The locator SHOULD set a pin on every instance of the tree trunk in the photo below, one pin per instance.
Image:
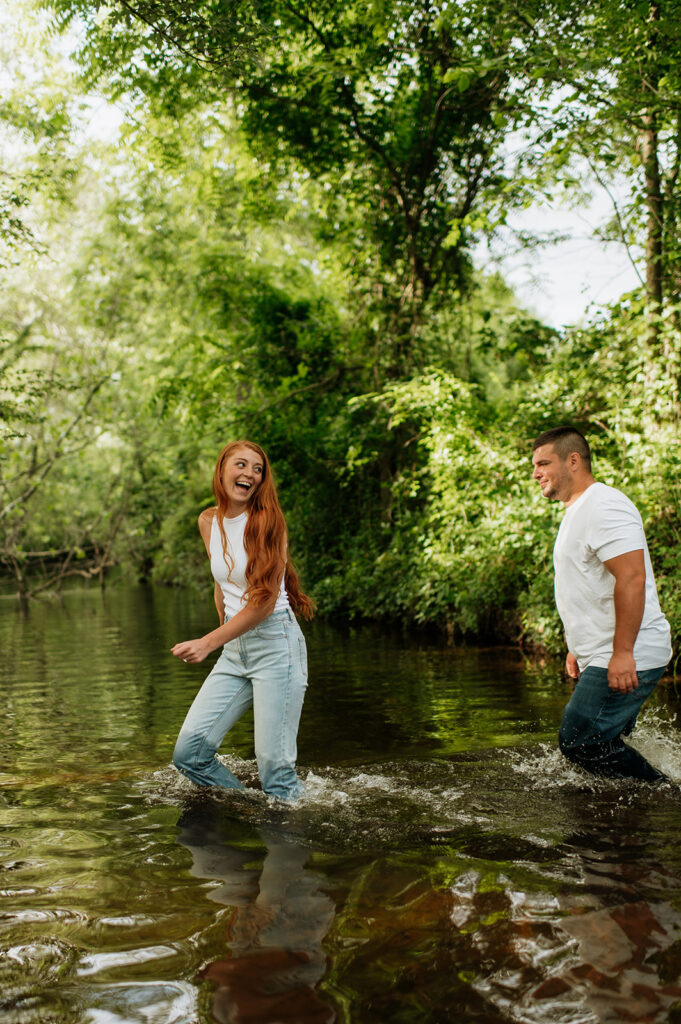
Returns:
(653, 193)
(648, 143)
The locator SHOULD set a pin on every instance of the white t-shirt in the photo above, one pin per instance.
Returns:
(601, 524)
(233, 584)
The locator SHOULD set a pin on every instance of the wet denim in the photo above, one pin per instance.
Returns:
(595, 720)
(265, 668)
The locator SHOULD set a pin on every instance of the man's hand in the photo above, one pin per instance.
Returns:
(192, 651)
(571, 666)
(622, 672)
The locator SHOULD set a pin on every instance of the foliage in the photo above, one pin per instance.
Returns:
(454, 544)
(36, 116)
(600, 379)
(277, 243)
(397, 112)
(612, 98)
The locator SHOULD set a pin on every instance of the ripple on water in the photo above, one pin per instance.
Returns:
(568, 961)
(48, 959)
(100, 963)
(28, 972)
(33, 915)
(139, 1003)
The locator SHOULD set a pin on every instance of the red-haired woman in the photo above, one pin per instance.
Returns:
(263, 663)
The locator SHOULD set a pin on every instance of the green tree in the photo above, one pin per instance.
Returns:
(36, 111)
(50, 375)
(397, 110)
(612, 96)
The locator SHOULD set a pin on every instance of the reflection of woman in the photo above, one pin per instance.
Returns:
(276, 930)
(263, 663)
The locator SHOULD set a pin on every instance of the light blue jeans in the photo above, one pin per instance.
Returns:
(265, 668)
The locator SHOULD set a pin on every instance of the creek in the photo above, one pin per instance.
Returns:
(445, 864)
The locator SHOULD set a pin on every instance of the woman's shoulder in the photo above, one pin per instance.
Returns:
(206, 521)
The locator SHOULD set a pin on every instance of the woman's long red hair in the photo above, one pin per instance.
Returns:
(265, 537)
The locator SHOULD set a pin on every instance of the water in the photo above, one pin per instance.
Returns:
(446, 865)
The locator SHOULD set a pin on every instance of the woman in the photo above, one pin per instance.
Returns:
(263, 663)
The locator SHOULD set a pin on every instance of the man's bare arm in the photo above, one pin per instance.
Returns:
(629, 596)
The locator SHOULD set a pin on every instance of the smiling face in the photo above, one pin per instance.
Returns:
(242, 474)
(555, 476)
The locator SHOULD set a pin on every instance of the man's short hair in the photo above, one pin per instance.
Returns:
(565, 440)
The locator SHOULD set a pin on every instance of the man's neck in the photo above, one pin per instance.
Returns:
(580, 487)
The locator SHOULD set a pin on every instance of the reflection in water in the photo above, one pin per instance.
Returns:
(623, 927)
(508, 928)
(603, 954)
(275, 931)
(547, 905)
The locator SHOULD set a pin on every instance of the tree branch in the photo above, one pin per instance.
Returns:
(618, 218)
(28, 493)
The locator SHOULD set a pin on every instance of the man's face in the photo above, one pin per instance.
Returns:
(552, 474)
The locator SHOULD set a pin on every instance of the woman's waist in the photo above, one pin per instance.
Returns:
(281, 626)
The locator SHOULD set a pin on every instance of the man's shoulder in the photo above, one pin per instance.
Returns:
(601, 508)
(612, 510)
(606, 496)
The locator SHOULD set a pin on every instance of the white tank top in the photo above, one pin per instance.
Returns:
(233, 584)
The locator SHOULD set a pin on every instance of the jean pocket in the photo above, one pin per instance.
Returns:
(270, 631)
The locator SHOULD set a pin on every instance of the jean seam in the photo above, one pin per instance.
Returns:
(287, 698)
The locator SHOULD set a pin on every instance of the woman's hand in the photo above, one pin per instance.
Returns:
(192, 651)
(195, 651)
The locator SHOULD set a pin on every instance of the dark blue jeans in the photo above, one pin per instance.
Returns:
(595, 720)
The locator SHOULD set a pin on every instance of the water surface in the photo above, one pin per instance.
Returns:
(445, 864)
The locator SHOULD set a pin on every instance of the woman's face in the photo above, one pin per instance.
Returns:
(242, 474)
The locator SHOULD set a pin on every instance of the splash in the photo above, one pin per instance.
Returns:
(657, 738)
(512, 793)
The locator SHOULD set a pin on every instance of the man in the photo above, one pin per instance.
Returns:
(618, 639)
